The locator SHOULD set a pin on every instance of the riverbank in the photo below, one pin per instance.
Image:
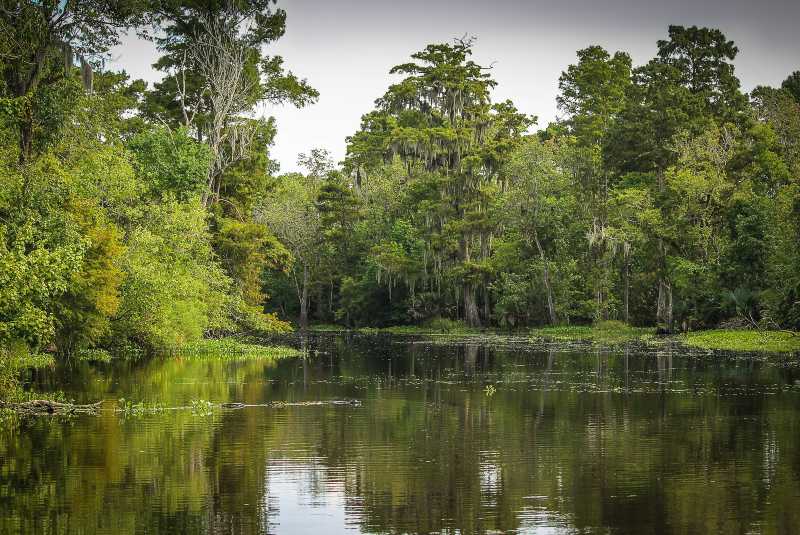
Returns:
(607, 333)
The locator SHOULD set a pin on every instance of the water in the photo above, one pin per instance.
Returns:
(573, 440)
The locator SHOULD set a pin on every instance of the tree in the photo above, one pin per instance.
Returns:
(439, 120)
(170, 163)
(792, 85)
(43, 41)
(704, 58)
(290, 212)
(174, 291)
(688, 88)
(593, 91)
(538, 200)
(217, 75)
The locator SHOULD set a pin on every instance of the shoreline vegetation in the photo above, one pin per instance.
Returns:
(603, 333)
(141, 219)
(14, 399)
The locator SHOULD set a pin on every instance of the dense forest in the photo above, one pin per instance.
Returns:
(151, 216)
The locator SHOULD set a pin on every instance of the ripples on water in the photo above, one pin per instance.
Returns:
(574, 440)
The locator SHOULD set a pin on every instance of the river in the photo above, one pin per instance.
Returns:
(494, 435)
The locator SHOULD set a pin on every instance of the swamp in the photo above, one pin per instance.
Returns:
(303, 267)
(381, 433)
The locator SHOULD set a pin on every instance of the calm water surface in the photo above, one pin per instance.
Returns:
(574, 440)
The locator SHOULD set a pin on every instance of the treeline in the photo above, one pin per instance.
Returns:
(663, 196)
(153, 216)
(127, 212)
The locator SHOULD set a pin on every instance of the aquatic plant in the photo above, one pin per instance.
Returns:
(744, 340)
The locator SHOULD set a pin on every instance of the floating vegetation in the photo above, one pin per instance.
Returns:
(202, 407)
(604, 332)
(490, 390)
(138, 408)
(744, 340)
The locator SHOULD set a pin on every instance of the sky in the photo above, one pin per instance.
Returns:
(345, 48)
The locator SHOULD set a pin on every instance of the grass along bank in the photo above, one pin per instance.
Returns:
(743, 340)
(605, 332)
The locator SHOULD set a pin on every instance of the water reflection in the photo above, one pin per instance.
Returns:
(575, 440)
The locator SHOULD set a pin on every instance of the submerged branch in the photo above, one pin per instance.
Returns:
(45, 406)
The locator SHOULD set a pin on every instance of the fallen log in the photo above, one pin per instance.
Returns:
(46, 406)
(279, 404)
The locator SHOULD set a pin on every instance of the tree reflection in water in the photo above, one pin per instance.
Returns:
(631, 440)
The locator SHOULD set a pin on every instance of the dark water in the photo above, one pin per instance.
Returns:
(573, 440)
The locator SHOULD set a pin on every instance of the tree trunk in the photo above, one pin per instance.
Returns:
(487, 309)
(25, 140)
(664, 307)
(471, 315)
(304, 300)
(320, 305)
(627, 289)
(551, 307)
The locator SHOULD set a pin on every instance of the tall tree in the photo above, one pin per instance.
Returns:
(42, 42)
(217, 75)
(290, 211)
(792, 85)
(704, 58)
(592, 92)
(689, 87)
(440, 121)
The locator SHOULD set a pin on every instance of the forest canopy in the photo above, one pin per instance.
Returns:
(152, 216)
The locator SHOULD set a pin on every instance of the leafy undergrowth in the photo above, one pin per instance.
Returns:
(232, 349)
(743, 340)
(605, 332)
(93, 355)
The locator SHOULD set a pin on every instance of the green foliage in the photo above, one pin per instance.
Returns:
(740, 340)
(593, 92)
(93, 355)
(174, 290)
(92, 296)
(246, 250)
(792, 85)
(604, 332)
(42, 251)
(138, 408)
(15, 358)
(152, 218)
(44, 41)
(170, 163)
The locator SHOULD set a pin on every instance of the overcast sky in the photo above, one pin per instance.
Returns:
(345, 49)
